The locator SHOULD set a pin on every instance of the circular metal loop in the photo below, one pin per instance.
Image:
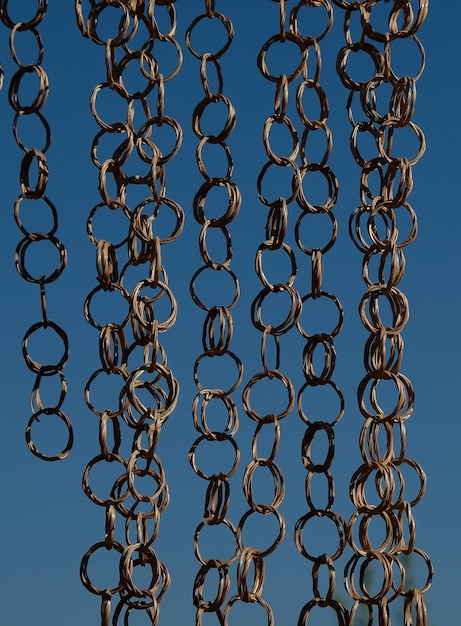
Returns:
(233, 206)
(87, 305)
(215, 437)
(200, 110)
(127, 24)
(278, 484)
(217, 267)
(373, 53)
(36, 366)
(341, 612)
(233, 386)
(266, 509)
(18, 116)
(23, 25)
(308, 442)
(29, 438)
(272, 417)
(265, 460)
(201, 165)
(31, 235)
(312, 4)
(304, 416)
(252, 598)
(249, 557)
(36, 402)
(43, 89)
(280, 160)
(204, 253)
(339, 307)
(199, 584)
(218, 319)
(292, 317)
(225, 21)
(20, 258)
(340, 528)
(197, 552)
(109, 458)
(295, 184)
(201, 405)
(268, 245)
(115, 545)
(282, 38)
(166, 400)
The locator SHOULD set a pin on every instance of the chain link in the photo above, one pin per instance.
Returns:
(384, 312)
(129, 346)
(33, 178)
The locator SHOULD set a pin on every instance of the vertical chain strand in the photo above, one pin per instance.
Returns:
(218, 324)
(318, 346)
(384, 312)
(33, 178)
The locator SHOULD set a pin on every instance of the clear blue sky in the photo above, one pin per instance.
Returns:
(47, 522)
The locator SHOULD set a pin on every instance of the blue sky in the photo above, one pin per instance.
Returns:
(48, 523)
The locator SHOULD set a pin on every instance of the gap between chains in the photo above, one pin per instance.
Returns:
(130, 350)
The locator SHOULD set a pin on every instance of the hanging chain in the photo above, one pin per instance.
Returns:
(251, 566)
(379, 229)
(139, 303)
(319, 346)
(34, 179)
(218, 324)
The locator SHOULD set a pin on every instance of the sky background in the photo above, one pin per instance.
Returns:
(47, 522)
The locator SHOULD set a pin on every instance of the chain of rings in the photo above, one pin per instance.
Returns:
(132, 357)
(379, 230)
(33, 178)
(319, 347)
(218, 324)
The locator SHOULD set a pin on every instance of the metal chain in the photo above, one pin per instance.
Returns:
(33, 178)
(318, 346)
(251, 567)
(132, 185)
(218, 324)
(377, 231)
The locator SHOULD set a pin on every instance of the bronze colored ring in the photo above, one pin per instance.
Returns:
(223, 392)
(340, 527)
(109, 458)
(199, 584)
(202, 400)
(280, 160)
(84, 566)
(278, 482)
(219, 53)
(197, 552)
(306, 446)
(282, 38)
(18, 116)
(214, 437)
(267, 419)
(40, 98)
(70, 437)
(304, 416)
(35, 366)
(216, 267)
(31, 235)
(253, 598)
(311, 3)
(265, 510)
(33, 21)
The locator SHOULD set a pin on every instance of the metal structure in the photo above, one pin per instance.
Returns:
(132, 183)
